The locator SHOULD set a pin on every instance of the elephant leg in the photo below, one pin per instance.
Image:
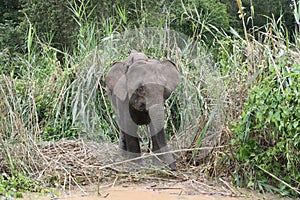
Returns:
(129, 140)
(159, 145)
(122, 141)
(133, 149)
(129, 145)
(132, 144)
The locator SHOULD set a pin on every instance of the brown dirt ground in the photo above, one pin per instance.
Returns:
(151, 191)
(81, 160)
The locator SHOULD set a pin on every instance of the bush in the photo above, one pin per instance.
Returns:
(268, 133)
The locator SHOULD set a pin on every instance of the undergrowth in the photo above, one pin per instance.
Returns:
(267, 135)
(13, 186)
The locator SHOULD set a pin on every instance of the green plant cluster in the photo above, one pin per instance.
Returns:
(58, 24)
(268, 135)
(13, 186)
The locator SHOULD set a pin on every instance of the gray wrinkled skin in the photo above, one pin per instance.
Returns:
(137, 89)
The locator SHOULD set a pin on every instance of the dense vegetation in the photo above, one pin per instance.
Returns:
(44, 45)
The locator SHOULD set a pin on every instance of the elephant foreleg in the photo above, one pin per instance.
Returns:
(128, 141)
(132, 144)
(122, 141)
(132, 148)
(129, 145)
(159, 145)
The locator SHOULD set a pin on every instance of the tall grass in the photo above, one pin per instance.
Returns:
(54, 99)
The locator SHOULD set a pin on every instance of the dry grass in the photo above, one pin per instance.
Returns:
(74, 163)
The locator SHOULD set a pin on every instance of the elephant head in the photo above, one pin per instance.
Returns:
(138, 88)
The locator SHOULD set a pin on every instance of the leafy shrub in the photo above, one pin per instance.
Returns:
(268, 134)
(15, 185)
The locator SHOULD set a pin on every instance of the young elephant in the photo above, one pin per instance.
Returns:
(137, 89)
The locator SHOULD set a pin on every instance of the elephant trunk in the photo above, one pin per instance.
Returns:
(159, 142)
(156, 113)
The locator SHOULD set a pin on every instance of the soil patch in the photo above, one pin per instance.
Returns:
(188, 190)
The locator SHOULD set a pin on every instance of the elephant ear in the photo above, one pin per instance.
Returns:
(115, 80)
(172, 76)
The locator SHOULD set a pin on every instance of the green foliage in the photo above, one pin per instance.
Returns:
(268, 134)
(53, 21)
(10, 19)
(200, 19)
(11, 37)
(9, 10)
(270, 9)
(56, 22)
(144, 13)
(13, 186)
(11, 33)
(34, 94)
(232, 10)
(258, 13)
